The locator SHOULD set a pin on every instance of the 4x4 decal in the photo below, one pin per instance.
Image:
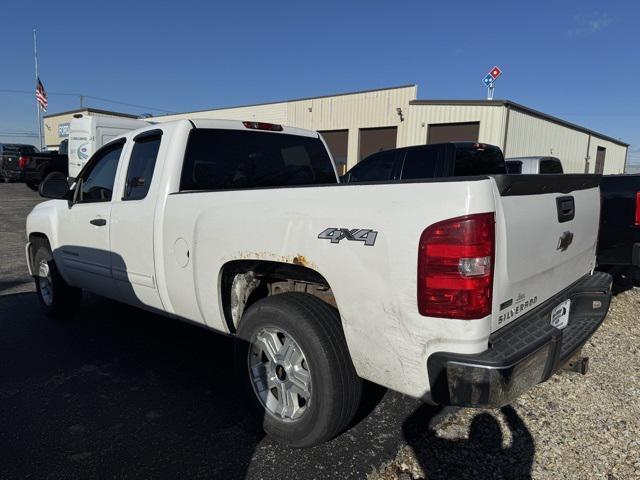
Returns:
(365, 235)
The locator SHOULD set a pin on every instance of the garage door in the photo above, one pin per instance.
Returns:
(338, 143)
(453, 132)
(374, 140)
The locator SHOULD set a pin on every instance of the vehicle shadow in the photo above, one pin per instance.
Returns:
(117, 391)
(481, 455)
(120, 392)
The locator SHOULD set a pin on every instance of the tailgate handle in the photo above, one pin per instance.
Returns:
(566, 208)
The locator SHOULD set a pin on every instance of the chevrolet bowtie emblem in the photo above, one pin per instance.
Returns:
(564, 241)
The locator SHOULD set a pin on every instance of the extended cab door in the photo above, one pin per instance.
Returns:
(132, 223)
(83, 236)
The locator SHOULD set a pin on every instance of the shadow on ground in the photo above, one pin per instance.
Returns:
(480, 456)
(119, 392)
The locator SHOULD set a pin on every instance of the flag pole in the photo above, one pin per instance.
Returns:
(35, 56)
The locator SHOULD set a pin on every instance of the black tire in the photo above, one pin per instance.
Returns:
(63, 299)
(33, 186)
(335, 387)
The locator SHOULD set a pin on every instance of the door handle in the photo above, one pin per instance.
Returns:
(98, 222)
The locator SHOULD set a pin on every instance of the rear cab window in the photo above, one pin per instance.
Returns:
(514, 166)
(479, 159)
(551, 165)
(218, 159)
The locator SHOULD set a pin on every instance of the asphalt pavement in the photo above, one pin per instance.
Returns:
(116, 392)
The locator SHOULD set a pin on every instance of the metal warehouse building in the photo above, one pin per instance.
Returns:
(359, 123)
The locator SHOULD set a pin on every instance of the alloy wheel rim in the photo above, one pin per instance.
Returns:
(279, 374)
(44, 282)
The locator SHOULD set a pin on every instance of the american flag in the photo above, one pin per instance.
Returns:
(41, 95)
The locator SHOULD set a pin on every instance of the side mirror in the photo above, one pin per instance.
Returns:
(55, 185)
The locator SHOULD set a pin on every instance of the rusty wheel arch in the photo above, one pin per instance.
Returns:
(243, 282)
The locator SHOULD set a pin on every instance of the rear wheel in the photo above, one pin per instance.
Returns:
(33, 186)
(56, 297)
(293, 361)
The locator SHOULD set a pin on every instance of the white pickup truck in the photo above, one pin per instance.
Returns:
(461, 291)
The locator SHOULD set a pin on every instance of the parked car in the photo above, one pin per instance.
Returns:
(87, 133)
(619, 241)
(13, 158)
(463, 292)
(533, 165)
(39, 165)
(429, 161)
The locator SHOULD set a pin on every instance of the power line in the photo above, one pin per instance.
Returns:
(18, 134)
(82, 95)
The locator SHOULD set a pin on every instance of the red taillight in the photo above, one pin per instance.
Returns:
(637, 216)
(22, 162)
(455, 267)
(263, 126)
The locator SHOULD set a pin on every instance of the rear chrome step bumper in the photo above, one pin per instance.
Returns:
(524, 353)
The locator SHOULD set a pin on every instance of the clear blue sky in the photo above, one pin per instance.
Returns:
(579, 60)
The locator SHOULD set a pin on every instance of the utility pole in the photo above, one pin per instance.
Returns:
(35, 56)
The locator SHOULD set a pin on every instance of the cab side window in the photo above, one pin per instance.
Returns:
(377, 167)
(141, 166)
(96, 182)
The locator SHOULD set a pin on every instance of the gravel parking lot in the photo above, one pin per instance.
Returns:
(120, 393)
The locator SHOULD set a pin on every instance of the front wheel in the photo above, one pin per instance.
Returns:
(292, 358)
(56, 297)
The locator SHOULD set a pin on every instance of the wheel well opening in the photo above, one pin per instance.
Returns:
(244, 282)
(35, 237)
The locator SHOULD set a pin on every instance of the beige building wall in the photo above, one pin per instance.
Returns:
(51, 137)
(340, 112)
(532, 136)
(491, 120)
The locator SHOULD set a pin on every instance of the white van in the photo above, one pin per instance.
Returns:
(88, 133)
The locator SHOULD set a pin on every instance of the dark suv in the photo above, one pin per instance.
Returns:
(453, 159)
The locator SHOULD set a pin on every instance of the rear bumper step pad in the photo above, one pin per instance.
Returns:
(522, 354)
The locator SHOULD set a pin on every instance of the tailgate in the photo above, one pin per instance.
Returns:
(10, 162)
(546, 237)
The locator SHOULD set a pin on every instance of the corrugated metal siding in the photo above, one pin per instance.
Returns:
(614, 159)
(341, 112)
(491, 120)
(528, 135)
(533, 136)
